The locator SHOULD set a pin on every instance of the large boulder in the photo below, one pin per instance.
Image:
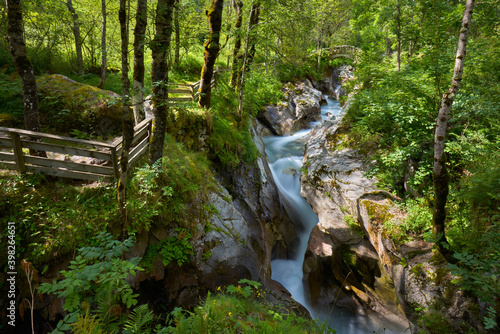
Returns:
(302, 106)
(68, 105)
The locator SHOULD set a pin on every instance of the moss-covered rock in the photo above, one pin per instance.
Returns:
(67, 105)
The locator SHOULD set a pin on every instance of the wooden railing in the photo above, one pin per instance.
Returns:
(18, 143)
(190, 91)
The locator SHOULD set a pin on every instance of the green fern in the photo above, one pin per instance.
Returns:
(87, 325)
(140, 317)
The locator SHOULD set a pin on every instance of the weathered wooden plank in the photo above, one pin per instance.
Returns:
(8, 165)
(6, 156)
(139, 147)
(177, 99)
(66, 150)
(48, 136)
(71, 165)
(6, 142)
(138, 151)
(69, 174)
(139, 131)
(114, 161)
(178, 91)
(18, 152)
(179, 84)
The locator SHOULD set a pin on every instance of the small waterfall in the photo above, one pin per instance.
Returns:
(285, 159)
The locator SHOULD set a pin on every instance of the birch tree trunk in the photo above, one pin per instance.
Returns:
(24, 67)
(214, 15)
(235, 68)
(441, 177)
(78, 39)
(139, 40)
(104, 65)
(159, 76)
(128, 119)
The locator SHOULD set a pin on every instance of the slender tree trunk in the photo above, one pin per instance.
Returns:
(254, 21)
(399, 35)
(78, 39)
(23, 66)
(441, 177)
(214, 15)
(104, 65)
(243, 70)
(177, 37)
(159, 76)
(235, 68)
(128, 119)
(139, 40)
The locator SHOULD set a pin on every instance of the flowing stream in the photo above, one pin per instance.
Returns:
(285, 159)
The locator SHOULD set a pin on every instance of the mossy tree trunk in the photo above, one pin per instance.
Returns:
(24, 67)
(214, 15)
(177, 37)
(441, 177)
(128, 119)
(77, 35)
(236, 66)
(104, 55)
(141, 22)
(159, 76)
(254, 21)
(241, 79)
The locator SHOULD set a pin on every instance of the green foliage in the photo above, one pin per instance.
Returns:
(177, 248)
(160, 193)
(53, 218)
(242, 310)
(138, 320)
(261, 90)
(353, 224)
(11, 97)
(97, 277)
(416, 223)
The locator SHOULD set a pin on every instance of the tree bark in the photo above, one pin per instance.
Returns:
(177, 37)
(214, 15)
(441, 177)
(159, 76)
(235, 68)
(399, 35)
(24, 67)
(128, 119)
(139, 40)
(254, 21)
(78, 39)
(104, 65)
(243, 70)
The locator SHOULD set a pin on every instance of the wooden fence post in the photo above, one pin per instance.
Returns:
(18, 152)
(114, 160)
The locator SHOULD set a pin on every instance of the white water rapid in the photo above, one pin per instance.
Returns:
(285, 159)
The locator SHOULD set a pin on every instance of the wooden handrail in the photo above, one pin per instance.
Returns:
(24, 162)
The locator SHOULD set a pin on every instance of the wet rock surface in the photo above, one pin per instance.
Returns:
(301, 106)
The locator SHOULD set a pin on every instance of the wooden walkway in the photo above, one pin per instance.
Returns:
(103, 164)
(77, 158)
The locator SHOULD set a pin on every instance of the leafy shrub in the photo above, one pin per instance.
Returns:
(96, 278)
(242, 309)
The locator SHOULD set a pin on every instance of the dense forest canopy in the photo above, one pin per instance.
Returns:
(403, 53)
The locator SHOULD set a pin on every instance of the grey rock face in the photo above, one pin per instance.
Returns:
(302, 106)
(351, 261)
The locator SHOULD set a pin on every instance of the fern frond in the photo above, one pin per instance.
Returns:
(140, 317)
